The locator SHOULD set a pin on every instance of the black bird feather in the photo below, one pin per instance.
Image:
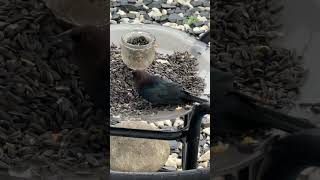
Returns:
(161, 92)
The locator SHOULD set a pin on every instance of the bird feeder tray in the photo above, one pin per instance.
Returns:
(168, 41)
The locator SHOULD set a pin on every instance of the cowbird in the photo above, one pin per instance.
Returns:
(236, 113)
(90, 53)
(161, 92)
(292, 154)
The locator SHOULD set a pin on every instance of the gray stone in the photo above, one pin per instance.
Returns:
(205, 122)
(123, 16)
(147, 22)
(167, 6)
(173, 144)
(142, 12)
(173, 18)
(205, 14)
(178, 10)
(155, 5)
(206, 4)
(115, 4)
(180, 22)
(157, 18)
(196, 3)
(123, 2)
(131, 15)
(198, 24)
(147, 17)
(147, 2)
(164, 18)
(135, 154)
(170, 11)
(116, 17)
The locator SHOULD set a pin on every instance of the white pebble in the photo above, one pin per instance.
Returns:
(145, 7)
(164, 12)
(139, 1)
(206, 131)
(160, 124)
(202, 18)
(208, 139)
(169, 1)
(167, 122)
(185, 3)
(205, 157)
(186, 26)
(136, 21)
(178, 122)
(181, 14)
(135, 13)
(121, 13)
(155, 12)
(197, 30)
(141, 18)
(153, 125)
(171, 162)
(174, 155)
(204, 164)
(180, 27)
(178, 162)
(124, 20)
(205, 27)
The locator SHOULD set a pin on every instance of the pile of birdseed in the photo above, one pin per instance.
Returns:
(242, 44)
(141, 40)
(179, 67)
(45, 113)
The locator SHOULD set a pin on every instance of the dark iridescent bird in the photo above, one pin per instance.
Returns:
(161, 92)
(236, 113)
(90, 53)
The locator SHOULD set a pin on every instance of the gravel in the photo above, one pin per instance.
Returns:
(192, 17)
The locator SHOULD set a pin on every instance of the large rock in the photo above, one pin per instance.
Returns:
(80, 12)
(137, 155)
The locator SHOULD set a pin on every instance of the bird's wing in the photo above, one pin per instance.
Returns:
(161, 90)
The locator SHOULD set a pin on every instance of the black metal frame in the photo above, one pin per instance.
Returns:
(189, 135)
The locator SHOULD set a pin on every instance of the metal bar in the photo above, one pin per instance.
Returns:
(193, 136)
(148, 134)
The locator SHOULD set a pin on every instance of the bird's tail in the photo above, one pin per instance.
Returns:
(188, 97)
(282, 121)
